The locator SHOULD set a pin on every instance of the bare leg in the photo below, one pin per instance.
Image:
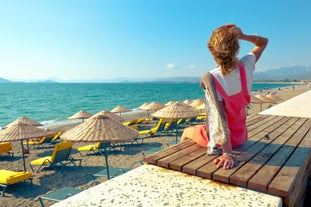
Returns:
(187, 134)
(195, 133)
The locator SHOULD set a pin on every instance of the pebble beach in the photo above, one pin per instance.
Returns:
(48, 180)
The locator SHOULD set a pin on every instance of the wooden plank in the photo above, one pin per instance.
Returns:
(265, 175)
(191, 167)
(282, 182)
(255, 119)
(260, 127)
(294, 174)
(152, 159)
(179, 163)
(264, 124)
(259, 119)
(165, 162)
(244, 156)
(279, 137)
(224, 175)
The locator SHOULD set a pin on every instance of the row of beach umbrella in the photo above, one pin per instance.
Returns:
(97, 128)
(103, 127)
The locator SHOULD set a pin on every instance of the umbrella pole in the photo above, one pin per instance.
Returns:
(176, 132)
(106, 159)
(23, 156)
(28, 146)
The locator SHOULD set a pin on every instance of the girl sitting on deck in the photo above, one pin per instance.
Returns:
(232, 83)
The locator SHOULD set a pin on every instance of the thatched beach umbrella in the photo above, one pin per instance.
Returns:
(256, 100)
(111, 115)
(263, 98)
(187, 101)
(196, 102)
(274, 97)
(143, 105)
(120, 109)
(24, 120)
(169, 103)
(201, 107)
(103, 129)
(81, 115)
(21, 131)
(153, 106)
(176, 111)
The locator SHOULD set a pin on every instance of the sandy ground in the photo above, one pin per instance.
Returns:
(47, 180)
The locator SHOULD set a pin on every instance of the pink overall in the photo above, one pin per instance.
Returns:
(235, 107)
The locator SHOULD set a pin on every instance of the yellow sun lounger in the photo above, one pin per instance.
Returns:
(8, 177)
(159, 127)
(44, 141)
(90, 148)
(61, 156)
(6, 147)
(99, 148)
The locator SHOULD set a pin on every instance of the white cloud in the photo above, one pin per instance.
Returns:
(172, 66)
(193, 66)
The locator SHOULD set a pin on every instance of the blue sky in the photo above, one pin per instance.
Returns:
(94, 40)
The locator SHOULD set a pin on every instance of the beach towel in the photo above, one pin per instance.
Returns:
(219, 132)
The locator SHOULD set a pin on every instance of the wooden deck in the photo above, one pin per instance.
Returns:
(275, 159)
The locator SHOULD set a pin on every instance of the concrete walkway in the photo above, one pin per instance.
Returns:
(299, 106)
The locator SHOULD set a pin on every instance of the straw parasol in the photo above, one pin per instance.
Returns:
(256, 100)
(25, 120)
(196, 103)
(120, 109)
(103, 129)
(274, 97)
(111, 115)
(169, 103)
(21, 131)
(177, 110)
(81, 115)
(187, 101)
(153, 106)
(263, 98)
(201, 107)
(143, 105)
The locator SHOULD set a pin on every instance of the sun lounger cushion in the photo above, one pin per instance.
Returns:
(9, 177)
(5, 147)
(91, 147)
(44, 160)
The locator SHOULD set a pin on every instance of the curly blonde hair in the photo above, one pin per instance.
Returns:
(224, 46)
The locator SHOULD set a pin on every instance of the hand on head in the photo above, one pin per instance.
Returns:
(235, 28)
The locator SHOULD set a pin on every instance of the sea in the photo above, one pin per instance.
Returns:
(52, 103)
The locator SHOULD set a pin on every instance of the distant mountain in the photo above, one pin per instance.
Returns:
(285, 73)
(2, 80)
(179, 79)
(280, 74)
(46, 81)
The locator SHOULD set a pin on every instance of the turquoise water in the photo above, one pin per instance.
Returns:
(54, 102)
